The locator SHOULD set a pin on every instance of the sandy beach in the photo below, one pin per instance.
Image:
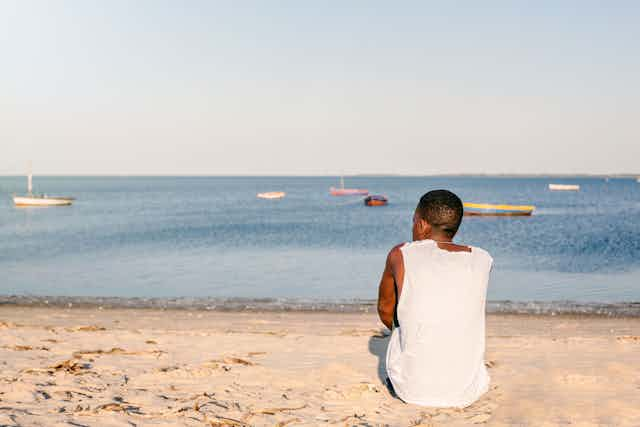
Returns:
(126, 367)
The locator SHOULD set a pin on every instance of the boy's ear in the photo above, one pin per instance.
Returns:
(423, 226)
(426, 227)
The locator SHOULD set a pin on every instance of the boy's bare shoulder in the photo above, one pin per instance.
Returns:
(395, 254)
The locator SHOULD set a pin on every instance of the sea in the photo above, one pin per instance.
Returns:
(210, 242)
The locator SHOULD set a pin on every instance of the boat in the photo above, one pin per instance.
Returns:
(485, 209)
(41, 200)
(32, 199)
(272, 195)
(347, 191)
(564, 187)
(375, 200)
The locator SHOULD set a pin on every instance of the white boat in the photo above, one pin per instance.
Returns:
(272, 195)
(564, 187)
(41, 200)
(31, 199)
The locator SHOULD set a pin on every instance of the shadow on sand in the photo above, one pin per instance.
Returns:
(378, 347)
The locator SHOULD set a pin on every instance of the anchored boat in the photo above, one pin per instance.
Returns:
(347, 191)
(272, 195)
(31, 199)
(564, 187)
(485, 209)
(375, 200)
(41, 200)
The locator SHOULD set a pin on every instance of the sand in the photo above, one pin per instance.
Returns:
(126, 367)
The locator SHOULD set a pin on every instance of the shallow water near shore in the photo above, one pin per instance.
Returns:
(210, 237)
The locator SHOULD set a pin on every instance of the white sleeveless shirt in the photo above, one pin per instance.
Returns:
(436, 355)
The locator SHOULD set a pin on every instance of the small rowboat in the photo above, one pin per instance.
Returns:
(484, 209)
(564, 187)
(375, 200)
(272, 195)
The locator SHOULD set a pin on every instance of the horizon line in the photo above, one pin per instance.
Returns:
(284, 175)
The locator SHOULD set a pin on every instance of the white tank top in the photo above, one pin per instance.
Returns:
(436, 354)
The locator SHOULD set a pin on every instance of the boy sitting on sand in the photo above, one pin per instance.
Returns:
(432, 295)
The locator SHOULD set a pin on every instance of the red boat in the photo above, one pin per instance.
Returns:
(375, 200)
(347, 191)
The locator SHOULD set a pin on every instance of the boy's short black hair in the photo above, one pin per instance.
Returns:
(442, 209)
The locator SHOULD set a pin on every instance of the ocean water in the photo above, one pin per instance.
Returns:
(210, 237)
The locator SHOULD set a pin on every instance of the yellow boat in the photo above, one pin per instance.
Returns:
(485, 209)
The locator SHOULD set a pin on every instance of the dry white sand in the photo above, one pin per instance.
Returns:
(91, 367)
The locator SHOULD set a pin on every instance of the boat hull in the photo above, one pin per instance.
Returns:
(272, 195)
(375, 201)
(484, 209)
(348, 192)
(564, 187)
(24, 201)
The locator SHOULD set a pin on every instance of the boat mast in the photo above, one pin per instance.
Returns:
(29, 180)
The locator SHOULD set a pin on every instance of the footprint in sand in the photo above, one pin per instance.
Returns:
(628, 339)
(115, 351)
(209, 368)
(479, 412)
(375, 333)
(7, 325)
(20, 393)
(579, 379)
(490, 363)
(86, 328)
(24, 348)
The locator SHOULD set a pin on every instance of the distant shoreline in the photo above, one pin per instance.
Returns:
(356, 175)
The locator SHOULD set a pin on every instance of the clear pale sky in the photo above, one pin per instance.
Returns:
(322, 87)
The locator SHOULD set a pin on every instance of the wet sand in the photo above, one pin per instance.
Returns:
(124, 367)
